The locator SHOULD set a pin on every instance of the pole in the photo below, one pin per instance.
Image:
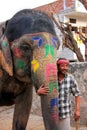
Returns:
(77, 125)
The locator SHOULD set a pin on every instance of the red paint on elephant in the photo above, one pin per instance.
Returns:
(17, 52)
(51, 72)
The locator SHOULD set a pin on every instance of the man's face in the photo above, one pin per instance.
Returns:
(63, 68)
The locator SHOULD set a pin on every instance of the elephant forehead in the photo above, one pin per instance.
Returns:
(38, 39)
(44, 59)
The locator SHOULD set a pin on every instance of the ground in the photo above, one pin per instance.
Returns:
(35, 122)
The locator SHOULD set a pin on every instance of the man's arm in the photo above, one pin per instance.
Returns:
(77, 108)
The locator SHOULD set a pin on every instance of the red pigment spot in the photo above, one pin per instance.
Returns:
(17, 52)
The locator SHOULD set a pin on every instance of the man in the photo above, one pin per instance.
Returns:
(67, 86)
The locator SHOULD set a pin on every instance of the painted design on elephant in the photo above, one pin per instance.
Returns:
(46, 35)
(46, 50)
(5, 48)
(49, 50)
(53, 87)
(54, 106)
(51, 77)
(20, 66)
(44, 38)
(17, 52)
(19, 61)
(54, 102)
(46, 42)
(55, 115)
(35, 65)
(50, 72)
(39, 39)
(6, 59)
(54, 39)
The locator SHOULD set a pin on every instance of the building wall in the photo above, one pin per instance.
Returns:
(80, 7)
(70, 3)
(54, 7)
(57, 6)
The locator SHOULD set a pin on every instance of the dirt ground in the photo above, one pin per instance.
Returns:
(6, 115)
(35, 122)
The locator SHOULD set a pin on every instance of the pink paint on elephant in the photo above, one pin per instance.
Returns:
(50, 70)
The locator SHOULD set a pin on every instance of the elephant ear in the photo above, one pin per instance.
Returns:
(5, 57)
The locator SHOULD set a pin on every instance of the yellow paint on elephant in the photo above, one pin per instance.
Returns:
(35, 65)
(46, 35)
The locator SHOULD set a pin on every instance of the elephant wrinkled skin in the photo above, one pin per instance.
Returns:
(28, 57)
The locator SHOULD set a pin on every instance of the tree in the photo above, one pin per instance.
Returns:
(84, 39)
(68, 39)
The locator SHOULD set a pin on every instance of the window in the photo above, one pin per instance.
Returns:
(71, 20)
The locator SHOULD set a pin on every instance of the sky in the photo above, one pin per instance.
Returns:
(9, 7)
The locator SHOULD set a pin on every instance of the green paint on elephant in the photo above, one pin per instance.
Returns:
(20, 64)
(4, 43)
(49, 49)
(52, 86)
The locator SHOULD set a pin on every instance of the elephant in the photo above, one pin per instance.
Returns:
(28, 51)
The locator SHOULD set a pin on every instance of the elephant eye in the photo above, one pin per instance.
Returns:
(25, 47)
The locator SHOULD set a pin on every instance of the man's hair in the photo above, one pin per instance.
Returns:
(62, 60)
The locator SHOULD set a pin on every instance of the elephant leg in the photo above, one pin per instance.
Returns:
(22, 109)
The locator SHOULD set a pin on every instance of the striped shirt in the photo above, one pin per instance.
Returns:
(67, 87)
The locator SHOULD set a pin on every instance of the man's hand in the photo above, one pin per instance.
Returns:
(42, 90)
(77, 115)
(77, 109)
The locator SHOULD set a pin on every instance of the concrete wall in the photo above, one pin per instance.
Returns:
(79, 70)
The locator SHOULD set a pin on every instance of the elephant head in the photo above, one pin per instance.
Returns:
(21, 43)
(28, 52)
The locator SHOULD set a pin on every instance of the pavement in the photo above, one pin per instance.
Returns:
(35, 122)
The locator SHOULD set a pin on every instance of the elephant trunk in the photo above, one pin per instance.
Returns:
(45, 72)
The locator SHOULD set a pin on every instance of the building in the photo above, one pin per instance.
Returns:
(73, 12)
